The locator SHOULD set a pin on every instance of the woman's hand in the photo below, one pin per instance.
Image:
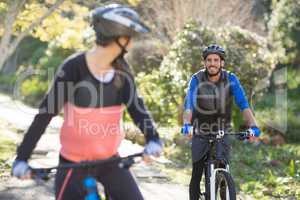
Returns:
(21, 169)
(152, 148)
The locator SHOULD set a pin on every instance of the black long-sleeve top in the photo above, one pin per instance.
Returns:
(85, 98)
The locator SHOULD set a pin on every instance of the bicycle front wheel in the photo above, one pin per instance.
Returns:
(225, 189)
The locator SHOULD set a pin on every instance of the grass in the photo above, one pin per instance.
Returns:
(261, 171)
(7, 150)
(267, 172)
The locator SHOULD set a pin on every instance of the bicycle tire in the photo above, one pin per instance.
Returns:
(206, 184)
(224, 179)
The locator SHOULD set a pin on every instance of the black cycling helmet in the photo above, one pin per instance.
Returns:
(115, 20)
(214, 49)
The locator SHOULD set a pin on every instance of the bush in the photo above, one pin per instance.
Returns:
(33, 91)
(31, 50)
(293, 86)
(248, 56)
(292, 134)
(7, 80)
(284, 36)
(284, 30)
(33, 88)
(146, 56)
(284, 121)
(153, 89)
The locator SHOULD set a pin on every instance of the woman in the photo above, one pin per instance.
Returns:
(93, 87)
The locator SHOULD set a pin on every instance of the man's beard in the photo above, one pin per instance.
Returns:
(213, 74)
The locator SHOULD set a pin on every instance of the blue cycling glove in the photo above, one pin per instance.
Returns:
(20, 169)
(254, 131)
(154, 147)
(186, 129)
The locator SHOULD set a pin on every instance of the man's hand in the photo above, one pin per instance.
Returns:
(254, 131)
(187, 130)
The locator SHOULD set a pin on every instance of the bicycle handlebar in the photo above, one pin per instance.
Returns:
(221, 134)
(124, 162)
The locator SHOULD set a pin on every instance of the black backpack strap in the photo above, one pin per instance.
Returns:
(200, 75)
(226, 78)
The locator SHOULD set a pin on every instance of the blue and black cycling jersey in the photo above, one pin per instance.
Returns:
(236, 89)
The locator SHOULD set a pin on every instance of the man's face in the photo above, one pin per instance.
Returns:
(213, 63)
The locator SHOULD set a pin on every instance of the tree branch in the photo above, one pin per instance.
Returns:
(33, 25)
(10, 17)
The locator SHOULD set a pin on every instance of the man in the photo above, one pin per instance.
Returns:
(208, 107)
(94, 87)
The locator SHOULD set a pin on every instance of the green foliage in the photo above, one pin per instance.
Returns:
(284, 30)
(177, 67)
(248, 56)
(268, 110)
(268, 6)
(7, 150)
(151, 87)
(292, 168)
(33, 88)
(266, 171)
(293, 79)
(146, 55)
(63, 32)
(3, 8)
(54, 56)
(30, 51)
(67, 26)
(292, 134)
(7, 79)
(268, 114)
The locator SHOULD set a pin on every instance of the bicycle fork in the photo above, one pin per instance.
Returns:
(212, 181)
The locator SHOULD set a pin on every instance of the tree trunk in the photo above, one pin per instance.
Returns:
(10, 17)
(11, 64)
(3, 58)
